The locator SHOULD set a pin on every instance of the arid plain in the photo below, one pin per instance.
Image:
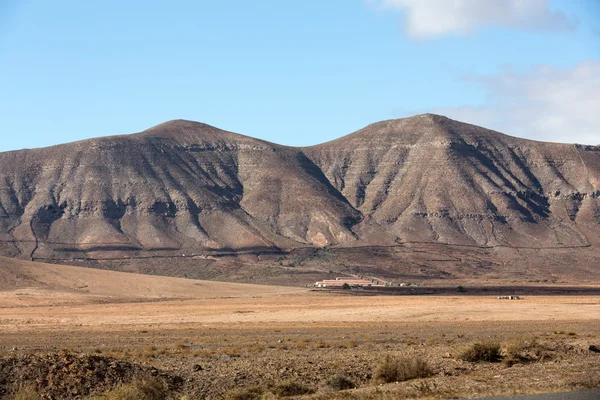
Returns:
(211, 339)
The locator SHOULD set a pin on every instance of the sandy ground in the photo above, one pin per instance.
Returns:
(249, 341)
(245, 335)
(42, 284)
(22, 309)
(44, 295)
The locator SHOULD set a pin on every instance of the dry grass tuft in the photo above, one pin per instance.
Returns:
(233, 351)
(526, 350)
(588, 380)
(338, 382)
(292, 388)
(147, 389)
(27, 393)
(433, 390)
(348, 344)
(401, 369)
(487, 351)
(252, 393)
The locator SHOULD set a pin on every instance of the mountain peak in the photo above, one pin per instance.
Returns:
(421, 128)
(178, 124)
(429, 117)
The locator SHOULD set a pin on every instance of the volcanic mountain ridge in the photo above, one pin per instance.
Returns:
(186, 187)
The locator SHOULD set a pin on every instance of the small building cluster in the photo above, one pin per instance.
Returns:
(352, 282)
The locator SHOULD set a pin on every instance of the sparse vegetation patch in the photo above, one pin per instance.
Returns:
(292, 387)
(398, 369)
(140, 389)
(338, 382)
(485, 351)
(526, 350)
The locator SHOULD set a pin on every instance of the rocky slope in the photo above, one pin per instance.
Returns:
(429, 178)
(186, 187)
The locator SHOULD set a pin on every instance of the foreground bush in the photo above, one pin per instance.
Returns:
(292, 388)
(148, 389)
(401, 369)
(526, 350)
(338, 382)
(481, 352)
(253, 393)
(27, 393)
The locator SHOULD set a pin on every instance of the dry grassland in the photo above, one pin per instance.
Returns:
(211, 340)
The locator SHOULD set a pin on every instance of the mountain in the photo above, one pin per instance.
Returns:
(429, 178)
(188, 188)
(175, 186)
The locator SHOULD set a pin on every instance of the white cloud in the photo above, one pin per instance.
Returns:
(546, 103)
(433, 18)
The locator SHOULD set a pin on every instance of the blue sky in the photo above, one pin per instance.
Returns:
(296, 72)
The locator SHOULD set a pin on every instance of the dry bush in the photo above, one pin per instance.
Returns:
(433, 390)
(348, 344)
(300, 345)
(252, 393)
(322, 345)
(588, 380)
(401, 369)
(292, 388)
(147, 389)
(338, 382)
(254, 348)
(233, 351)
(526, 350)
(488, 351)
(205, 353)
(27, 393)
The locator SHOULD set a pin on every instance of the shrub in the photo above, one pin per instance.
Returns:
(339, 382)
(252, 393)
(401, 369)
(348, 344)
(300, 345)
(292, 388)
(487, 351)
(525, 350)
(148, 389)
(233, 352)
(27, 393)
(588, 380)
(432, 390)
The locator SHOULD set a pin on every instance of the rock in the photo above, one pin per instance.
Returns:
(593, 348)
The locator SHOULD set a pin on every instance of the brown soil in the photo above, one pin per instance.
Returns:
(219, 344)
(216, 337)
